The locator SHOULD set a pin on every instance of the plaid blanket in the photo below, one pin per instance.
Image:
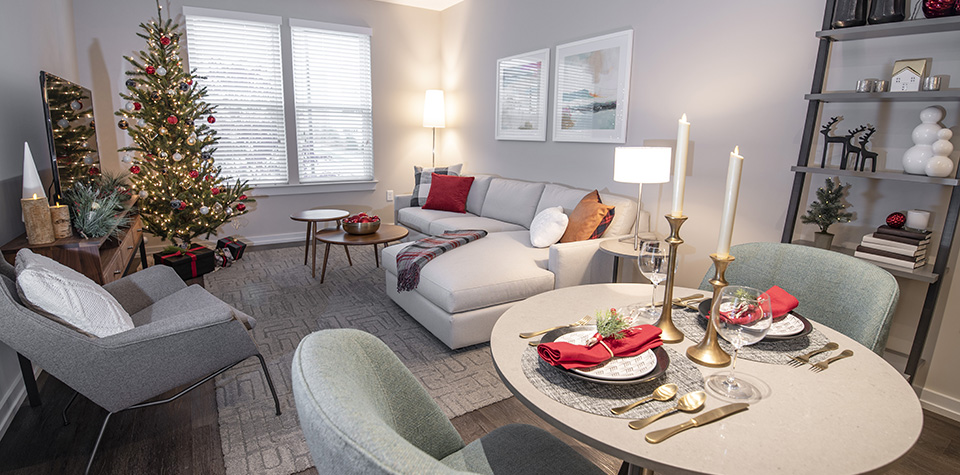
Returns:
(418, 254)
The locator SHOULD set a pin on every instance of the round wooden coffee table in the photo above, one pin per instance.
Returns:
(312, 217)
(386, 234)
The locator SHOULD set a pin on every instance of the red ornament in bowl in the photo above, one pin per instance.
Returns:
(896, 220)
(939, 8)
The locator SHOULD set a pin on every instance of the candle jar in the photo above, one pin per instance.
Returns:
(36, 217)
(847, 13)
(917, 219)
(887, 11)
(60, 214)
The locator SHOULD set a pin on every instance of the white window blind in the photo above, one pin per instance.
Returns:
(239, 54)
(332, 90)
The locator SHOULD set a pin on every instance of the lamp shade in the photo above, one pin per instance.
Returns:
(433, 111)
(641, 164)
(32, 186)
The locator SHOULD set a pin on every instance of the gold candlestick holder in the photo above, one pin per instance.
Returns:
(671, 334)
(708, 351)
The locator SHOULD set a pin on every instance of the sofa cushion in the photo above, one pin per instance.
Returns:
(68, 297)
(449, 193)
(589, 219)
(419, 219)
(198, 297)
(512, 201)
(478, 191)
(421, 181)
(469, 221)
(548, 226)
(626, 214)
(559, 195)
(500, 268)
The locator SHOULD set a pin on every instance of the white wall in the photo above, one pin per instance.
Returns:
(37, 35)
(740, 74)
(405, 64)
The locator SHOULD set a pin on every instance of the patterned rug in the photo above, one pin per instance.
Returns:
(276, 288)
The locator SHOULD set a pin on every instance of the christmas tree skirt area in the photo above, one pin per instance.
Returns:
(276, 288)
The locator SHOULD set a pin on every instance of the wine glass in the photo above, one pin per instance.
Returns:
(653, 265)
(743, 318)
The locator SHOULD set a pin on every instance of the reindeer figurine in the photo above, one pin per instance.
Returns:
(866, 155)
(829, 139)
(849, 147)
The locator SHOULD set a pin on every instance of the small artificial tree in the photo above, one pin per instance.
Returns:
(182, 194)
(828, 208)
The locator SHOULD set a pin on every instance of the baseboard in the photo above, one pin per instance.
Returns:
(941, 404)
(10, 403)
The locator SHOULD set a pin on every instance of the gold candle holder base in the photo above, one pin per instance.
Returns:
(708, 351)
(670, 333)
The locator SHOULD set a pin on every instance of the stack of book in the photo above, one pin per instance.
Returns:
(895, 247)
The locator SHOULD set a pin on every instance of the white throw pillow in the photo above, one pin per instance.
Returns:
(548, 226)
(57, 291)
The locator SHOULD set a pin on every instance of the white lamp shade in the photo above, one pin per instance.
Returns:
(433, 111)
(32, 186)
(641, 164)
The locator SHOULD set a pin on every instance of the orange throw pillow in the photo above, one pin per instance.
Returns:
(589, 219)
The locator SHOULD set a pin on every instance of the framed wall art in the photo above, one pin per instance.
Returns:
(592, 89)
(522, 96)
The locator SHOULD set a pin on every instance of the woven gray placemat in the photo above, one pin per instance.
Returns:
(773, 352)
(598, 398)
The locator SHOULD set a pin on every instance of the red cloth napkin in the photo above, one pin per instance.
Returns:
(569, 356)
(781, 302)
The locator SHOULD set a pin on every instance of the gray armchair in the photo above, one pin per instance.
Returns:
(182, 335)
(363, 412)
(847, 294)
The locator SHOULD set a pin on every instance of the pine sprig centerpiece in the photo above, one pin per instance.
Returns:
(94, 211)
(828, 208)
(182, 194)
(611, 324)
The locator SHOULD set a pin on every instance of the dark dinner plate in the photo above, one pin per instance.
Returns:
(663, 360)
(704, 308)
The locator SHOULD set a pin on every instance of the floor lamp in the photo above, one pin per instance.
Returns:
(433, 116)
(641, 165)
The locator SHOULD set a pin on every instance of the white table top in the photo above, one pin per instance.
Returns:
(858, 416)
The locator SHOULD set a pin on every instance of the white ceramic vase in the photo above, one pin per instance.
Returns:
(924, 135)
(940, 164)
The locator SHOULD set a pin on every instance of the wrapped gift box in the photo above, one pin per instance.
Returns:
(235, 246)
(189, 263)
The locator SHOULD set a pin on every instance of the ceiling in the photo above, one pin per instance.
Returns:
(438, 5)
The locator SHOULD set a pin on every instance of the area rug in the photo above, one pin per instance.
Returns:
(276, 288)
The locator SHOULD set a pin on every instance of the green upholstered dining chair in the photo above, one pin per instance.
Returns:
(363, 412)
(842, 292)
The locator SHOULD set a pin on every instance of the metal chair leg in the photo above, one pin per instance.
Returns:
(97, 445)
(266, 374)
(67, 407)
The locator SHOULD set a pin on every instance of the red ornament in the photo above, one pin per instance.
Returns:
(241, 207)
(135, 169)
(211, 119)
(183, 205)
(94, 171)
(939, 8)
(137, 106)
(194, 173)
(164, 41)
(896, 220)
(208, 178)
(172, 120)
(242, 197)
(189, 81)
(150, 157)
(150, 69)
(215, 191)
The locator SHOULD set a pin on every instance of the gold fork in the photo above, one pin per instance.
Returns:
(798, 361)
(582, 321)
(824, 364)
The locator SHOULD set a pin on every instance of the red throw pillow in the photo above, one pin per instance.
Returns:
(448, 193)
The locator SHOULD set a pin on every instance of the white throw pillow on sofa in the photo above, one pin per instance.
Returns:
(67, 296)
(548, 226)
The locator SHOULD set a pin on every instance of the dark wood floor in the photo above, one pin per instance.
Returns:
(183, 437)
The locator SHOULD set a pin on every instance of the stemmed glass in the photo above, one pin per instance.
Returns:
(744, 318)
(653, 265)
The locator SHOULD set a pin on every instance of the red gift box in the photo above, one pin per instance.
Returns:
(235, 246)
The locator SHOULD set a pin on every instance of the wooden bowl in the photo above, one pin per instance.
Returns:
(361, 228)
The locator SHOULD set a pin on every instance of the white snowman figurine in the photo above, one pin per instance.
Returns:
(940, 164)
(924, 135)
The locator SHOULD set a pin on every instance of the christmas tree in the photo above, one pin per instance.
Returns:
(182, 194)
(828, 208)
(71, 117)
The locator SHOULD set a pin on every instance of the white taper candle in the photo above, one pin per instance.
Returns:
(680, 165)
(730, 203)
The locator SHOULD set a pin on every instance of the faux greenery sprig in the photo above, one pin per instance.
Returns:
(611, 324)
(94, 212)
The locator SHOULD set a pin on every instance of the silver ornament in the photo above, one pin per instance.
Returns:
(128, 106)
(162, 130)
(161, 71)
(88, 160)
(204, 210)
(163, 154)
(63, 123)
(143, 193)
(76, 105)
(191, 140)
(141, 123)
(177, 156)
(126, 159)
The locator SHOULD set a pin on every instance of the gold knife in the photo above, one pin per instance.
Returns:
(658, 436)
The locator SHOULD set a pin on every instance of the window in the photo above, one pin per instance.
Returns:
(332, 90)
(239, 54)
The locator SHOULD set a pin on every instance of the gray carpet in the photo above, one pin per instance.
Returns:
(276, 288)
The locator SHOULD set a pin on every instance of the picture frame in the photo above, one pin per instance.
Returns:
(522, 82)
(591, 89)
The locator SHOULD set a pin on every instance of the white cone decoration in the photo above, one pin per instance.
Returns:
(32, 186)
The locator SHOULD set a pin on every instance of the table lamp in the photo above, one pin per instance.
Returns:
(433, 116)
(641, 165)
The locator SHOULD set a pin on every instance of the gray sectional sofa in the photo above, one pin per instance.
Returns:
(463, 292)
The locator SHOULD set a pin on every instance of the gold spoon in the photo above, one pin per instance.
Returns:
(663, 393)
(691, 402)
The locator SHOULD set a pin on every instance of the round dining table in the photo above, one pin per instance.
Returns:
(858, 416)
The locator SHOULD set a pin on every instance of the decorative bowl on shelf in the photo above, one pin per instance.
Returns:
(361, 228)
